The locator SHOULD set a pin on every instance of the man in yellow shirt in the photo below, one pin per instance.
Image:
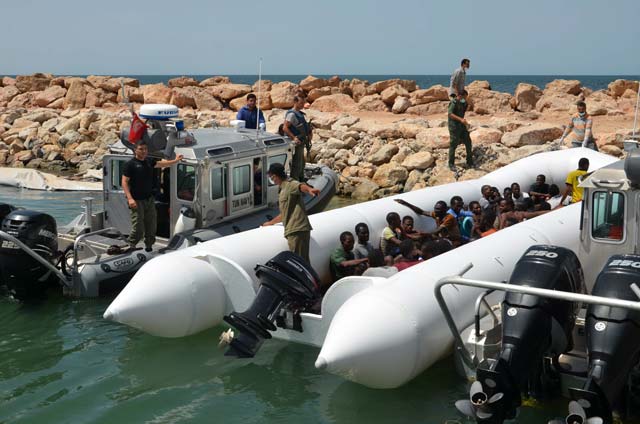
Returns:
(573, 180)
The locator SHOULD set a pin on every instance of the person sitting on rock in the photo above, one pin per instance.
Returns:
(391, 236)
(407, 257)
(342, 262)
(539, 190)
(579, 129)
(521, 200)
(458, 132)
(363, 247)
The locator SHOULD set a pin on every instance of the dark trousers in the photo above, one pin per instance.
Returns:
(457, 138)
(299, 243)
(297, 164)
(143, 222)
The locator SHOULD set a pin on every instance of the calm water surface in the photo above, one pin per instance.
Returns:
(60, 362)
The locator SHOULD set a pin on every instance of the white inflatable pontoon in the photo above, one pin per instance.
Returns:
(33, 179)
(192, 289)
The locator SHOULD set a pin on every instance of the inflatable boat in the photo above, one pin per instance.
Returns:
(192, 289)
(220, 187)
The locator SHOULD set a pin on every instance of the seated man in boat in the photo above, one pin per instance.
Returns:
(137, 184)
(579, 129)
(486, 225)
(447, 224)
(521, 199)
(343, 262)
(378, 267)
(489, 197)
(539, 190)
(391, 236)
(509, 215)
(363, 247)
(297, 229)
(432, 248)
(409, 230)
(470, 222)
(249, 113)
(573, 181)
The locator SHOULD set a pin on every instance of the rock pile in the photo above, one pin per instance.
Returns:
(58, 123)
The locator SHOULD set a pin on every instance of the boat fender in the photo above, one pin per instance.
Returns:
(186, 221)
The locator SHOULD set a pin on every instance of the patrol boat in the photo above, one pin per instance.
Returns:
(209, 194)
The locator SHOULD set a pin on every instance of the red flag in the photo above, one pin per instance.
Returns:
(137, 128)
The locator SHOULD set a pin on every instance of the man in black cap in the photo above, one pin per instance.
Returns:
(297, 229)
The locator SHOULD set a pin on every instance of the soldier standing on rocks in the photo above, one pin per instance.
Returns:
(458, 132)
(298, 129)
(456, 86)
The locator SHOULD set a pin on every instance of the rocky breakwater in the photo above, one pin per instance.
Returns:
(383, 138)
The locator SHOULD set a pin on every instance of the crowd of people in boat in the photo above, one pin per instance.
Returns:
(401, 245)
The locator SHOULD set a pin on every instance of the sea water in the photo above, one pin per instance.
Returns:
(60, 362)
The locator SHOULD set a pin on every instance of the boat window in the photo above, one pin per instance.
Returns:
(274, 142)
(186, 182)
(607, 221)
(117, 170)
(219, 151)
(277, 159)
(218, 184)
(241, 179)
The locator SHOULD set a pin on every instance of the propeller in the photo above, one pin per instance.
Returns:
(479, 403)
(577, 415)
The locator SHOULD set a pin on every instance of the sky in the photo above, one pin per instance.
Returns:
(412, 37)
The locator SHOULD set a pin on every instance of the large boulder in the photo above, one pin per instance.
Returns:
(86, 148)
(600, 103)
(534, 134)
(435, 138)
(262, 86)
(156, 93)
(184, 96)
(556, 101)
(40, 116)
(432, 94)
(35, 82)
(488, 101)
(365, 190)
(7, 93)
(390, 94)
(22, 100)
(383, 155)
(98, 97)
(282, 94)
(525, 97)
(373, 103)
(400, 105)
(227, 92)
(316, 93)
(420, 160)
(311, 82)
(619, 86)
(479, 85)
(50, 95)
(134, 95)
(182, 82)
(335, 103)
(390, 174)
(380, 86)
(358, 88)
(7, 81)
(484, 135)
(563, 86)
(429, 109)
(213, 81)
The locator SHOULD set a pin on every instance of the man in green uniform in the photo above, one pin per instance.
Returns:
(458, 132)
(297, 229)
(298, 129)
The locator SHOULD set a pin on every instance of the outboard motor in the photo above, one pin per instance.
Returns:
(613, 338)
(288, 286)
(532, 327)
(24, 276)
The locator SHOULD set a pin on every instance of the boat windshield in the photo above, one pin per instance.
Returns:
(186, 182)
(608, 216)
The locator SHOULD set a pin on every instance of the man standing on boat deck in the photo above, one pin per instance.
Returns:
(137, 183)
(456, 85)
(249, 113)
(298, 129)
(458, 132)
(573, 180)
(297, 229)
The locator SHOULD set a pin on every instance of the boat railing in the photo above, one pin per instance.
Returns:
(63, 278)
(80, 241)
(458, 280)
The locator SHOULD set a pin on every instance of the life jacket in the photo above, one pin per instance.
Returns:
(301, 130)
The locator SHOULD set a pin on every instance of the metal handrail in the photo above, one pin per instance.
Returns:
(457, 279)
(65, 280)
(80, 238)
(482, 300)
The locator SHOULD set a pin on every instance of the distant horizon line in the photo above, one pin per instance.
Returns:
(323, 74)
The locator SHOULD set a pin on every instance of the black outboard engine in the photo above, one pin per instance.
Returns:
(613, 338)
(532, 327)
(288, 286)
(24, 276)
